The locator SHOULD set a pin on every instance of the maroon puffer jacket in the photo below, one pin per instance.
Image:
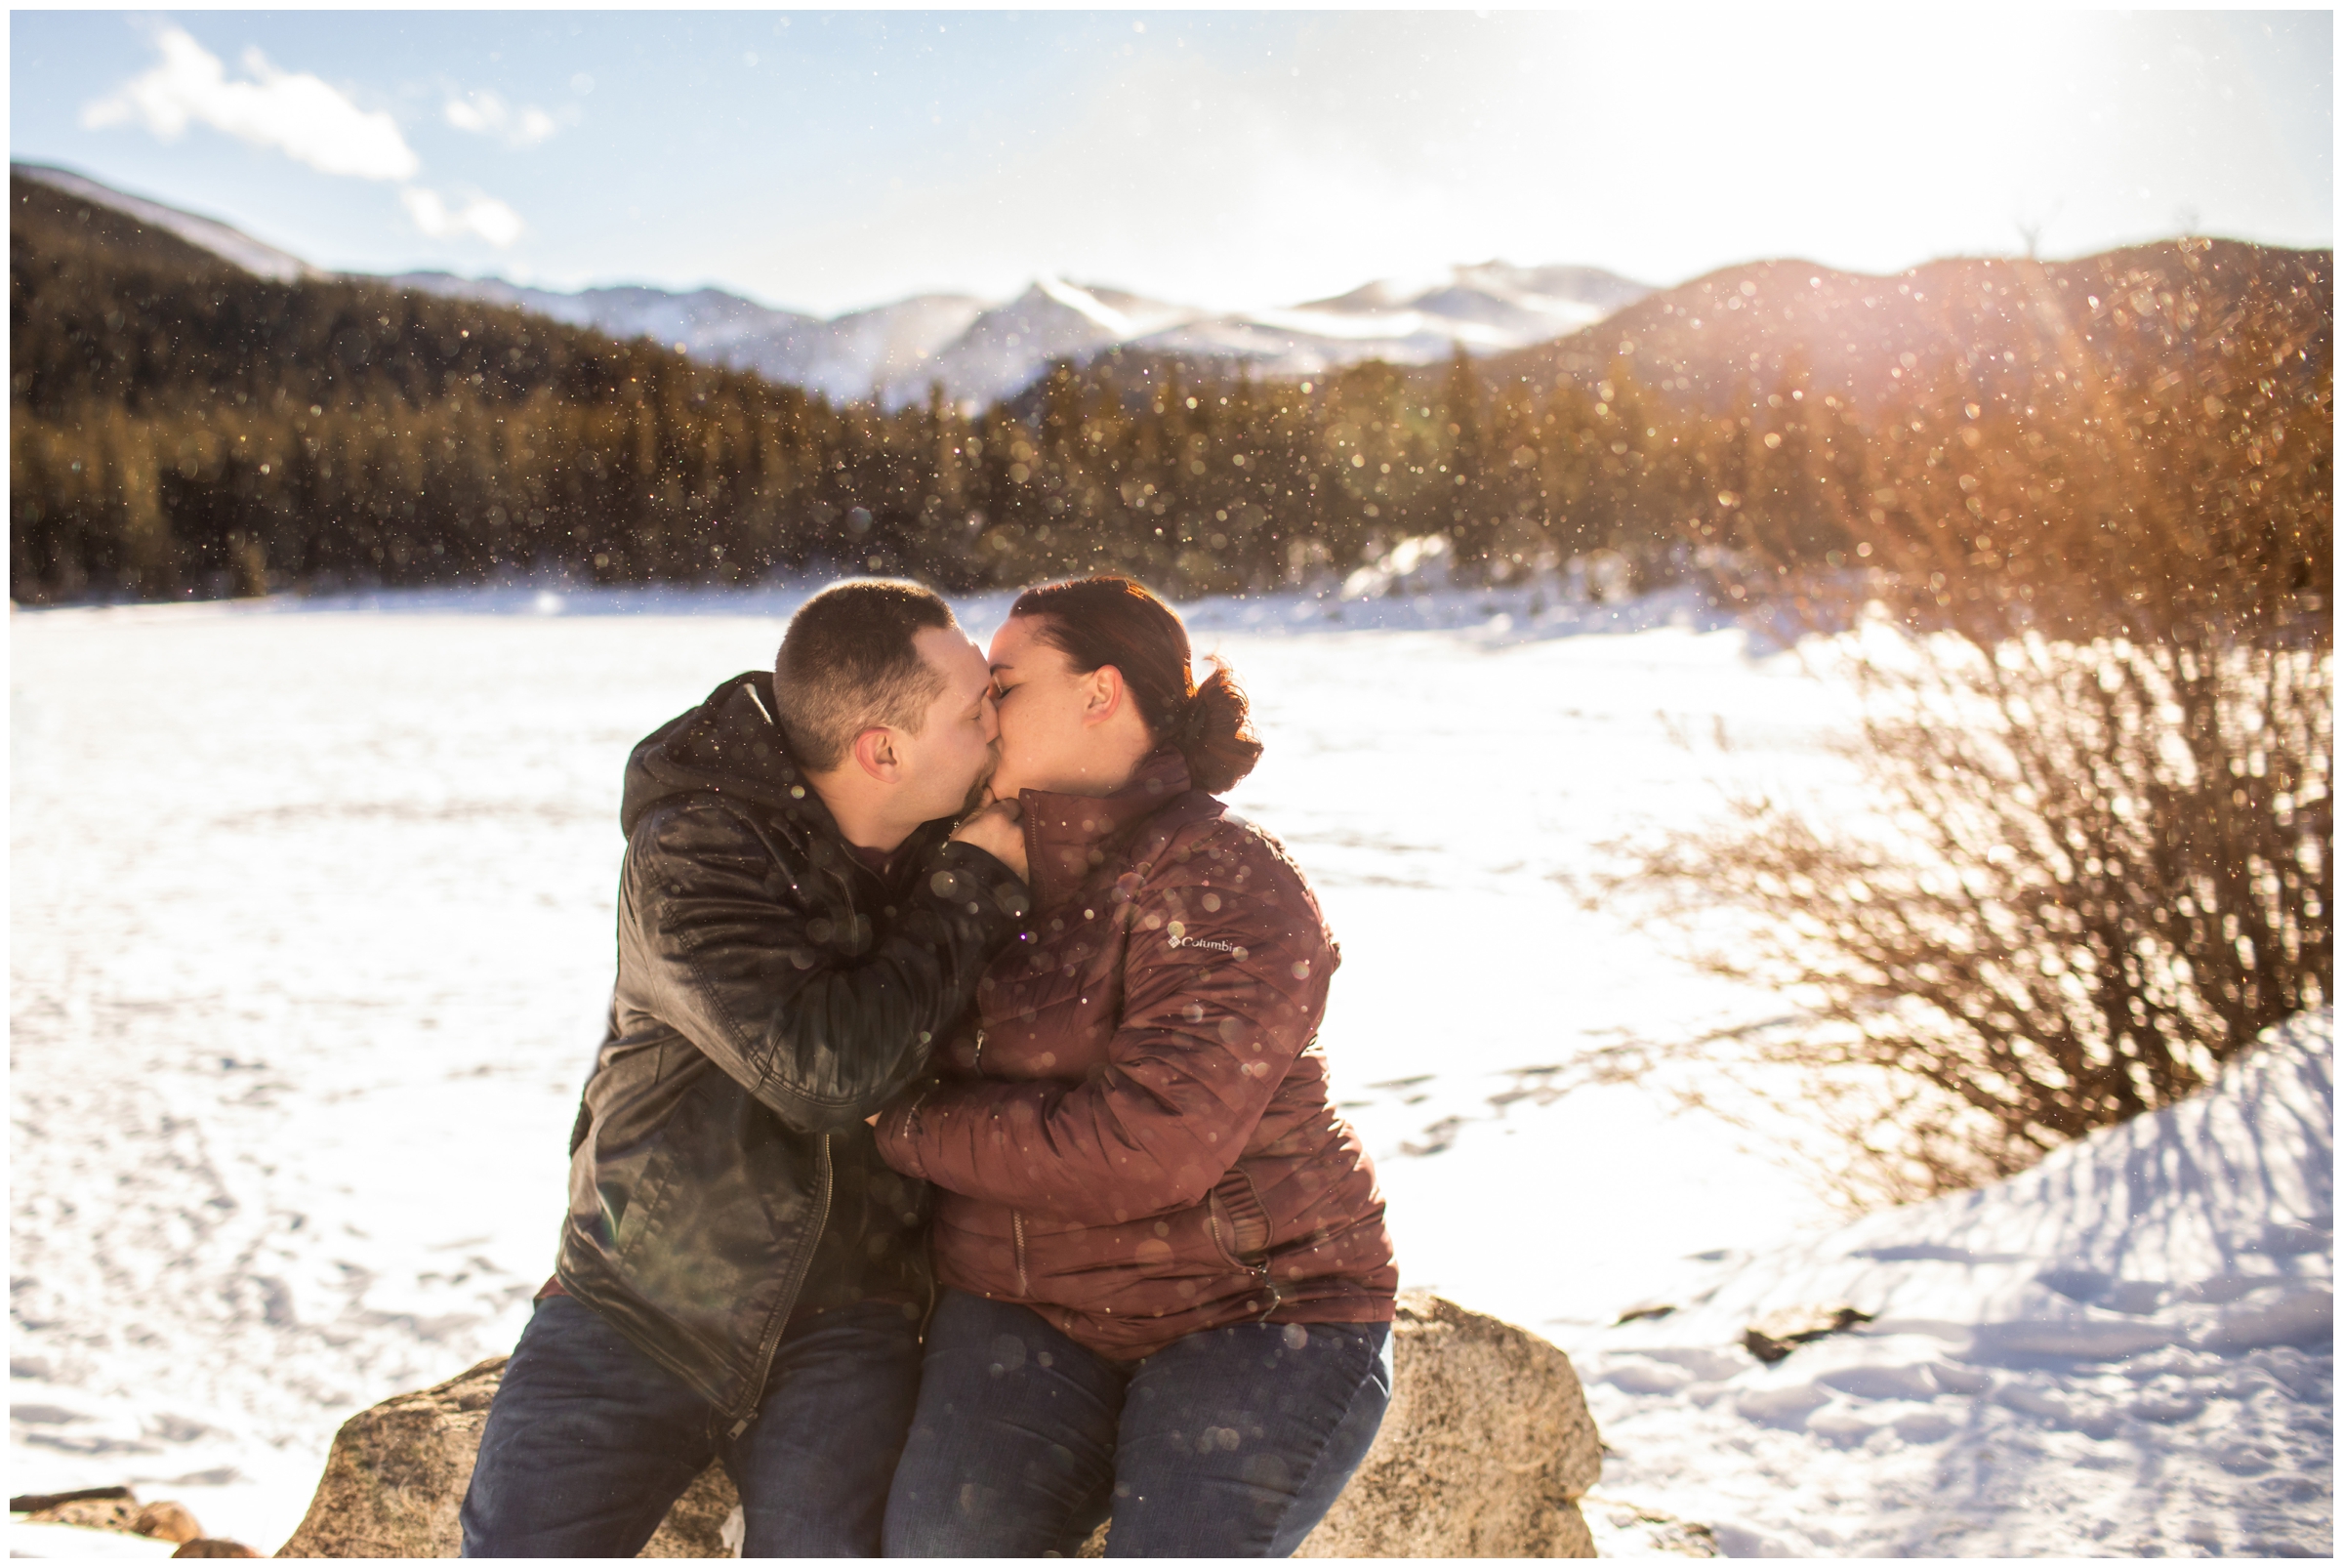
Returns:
(1133, 1136)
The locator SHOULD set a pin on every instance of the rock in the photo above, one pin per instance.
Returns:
(1631, 1530)
(91, 1513)
(1485, 1451)
(697, 1525)
(109, 1507)
(42, 1501)
(1776, 1334)
(212, 1546)
(397, 1473)
(167, 1521)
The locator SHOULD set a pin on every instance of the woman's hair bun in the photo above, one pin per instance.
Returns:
(1215, 733)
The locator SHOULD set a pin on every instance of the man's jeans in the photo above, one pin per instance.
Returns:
(589, 1440)
(1229, 1443)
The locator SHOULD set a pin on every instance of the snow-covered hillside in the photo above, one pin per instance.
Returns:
(205, 233)
(2127, 1350)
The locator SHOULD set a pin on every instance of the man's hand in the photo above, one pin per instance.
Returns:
(999, 832)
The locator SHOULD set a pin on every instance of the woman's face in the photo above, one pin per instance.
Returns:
(1057, 728)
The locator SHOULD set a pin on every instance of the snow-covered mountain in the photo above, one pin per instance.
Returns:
(843, 358)
(981, 352)
(1006, 348)
(1484, 308)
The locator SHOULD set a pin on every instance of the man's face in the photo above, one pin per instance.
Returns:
(947, 764)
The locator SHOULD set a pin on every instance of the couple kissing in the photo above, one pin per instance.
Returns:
(959, 1168)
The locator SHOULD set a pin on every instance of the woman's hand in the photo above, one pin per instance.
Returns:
(999, 831)
(907, 1101)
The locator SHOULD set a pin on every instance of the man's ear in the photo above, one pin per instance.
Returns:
(877, 753)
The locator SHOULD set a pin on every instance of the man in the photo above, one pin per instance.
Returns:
(740, 1277)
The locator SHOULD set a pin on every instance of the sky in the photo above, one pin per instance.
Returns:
(825, 161)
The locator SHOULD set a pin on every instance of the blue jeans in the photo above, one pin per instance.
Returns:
(1229, 1443)
(589, 1440)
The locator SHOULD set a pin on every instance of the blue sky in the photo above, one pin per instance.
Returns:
(824, 162)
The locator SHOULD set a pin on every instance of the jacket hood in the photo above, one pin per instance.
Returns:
(730, 745)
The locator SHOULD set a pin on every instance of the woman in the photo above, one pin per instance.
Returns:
(1166, 1283)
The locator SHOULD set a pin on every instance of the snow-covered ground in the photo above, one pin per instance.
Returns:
(2126, 1350)
(311, 941)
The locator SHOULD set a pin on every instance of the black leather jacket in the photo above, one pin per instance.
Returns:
(772, 992)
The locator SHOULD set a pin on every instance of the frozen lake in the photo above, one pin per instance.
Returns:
(312, 940)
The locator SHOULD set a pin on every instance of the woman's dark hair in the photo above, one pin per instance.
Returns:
(1104, 620)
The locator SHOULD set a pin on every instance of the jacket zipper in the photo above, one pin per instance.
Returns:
(789, 1298)
(1016, 1225)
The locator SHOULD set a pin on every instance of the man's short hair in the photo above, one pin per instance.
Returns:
(847, 662)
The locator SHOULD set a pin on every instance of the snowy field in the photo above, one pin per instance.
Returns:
(312, 938)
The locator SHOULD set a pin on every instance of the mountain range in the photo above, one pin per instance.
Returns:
(1716, 342)
(980, 353)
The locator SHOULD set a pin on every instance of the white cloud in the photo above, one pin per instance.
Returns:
(293, 111)
(484, 113)
(484, 216)
(301, 116)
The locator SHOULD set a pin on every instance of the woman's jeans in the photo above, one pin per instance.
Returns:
(1229, 1443)
(590, 1441)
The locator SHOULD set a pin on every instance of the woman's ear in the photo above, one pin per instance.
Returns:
(1101, 694)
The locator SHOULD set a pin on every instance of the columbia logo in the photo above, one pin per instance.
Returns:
(1178, 937)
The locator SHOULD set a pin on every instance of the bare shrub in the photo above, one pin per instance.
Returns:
(2097, 862)
(2090, 874)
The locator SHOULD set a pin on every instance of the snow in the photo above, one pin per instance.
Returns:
(877, 346)
(26, 1539)
(1006, 348)
(709, 320)
(311, 944)
(2127, 1350)
(1485, 309)
(1121, 315)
